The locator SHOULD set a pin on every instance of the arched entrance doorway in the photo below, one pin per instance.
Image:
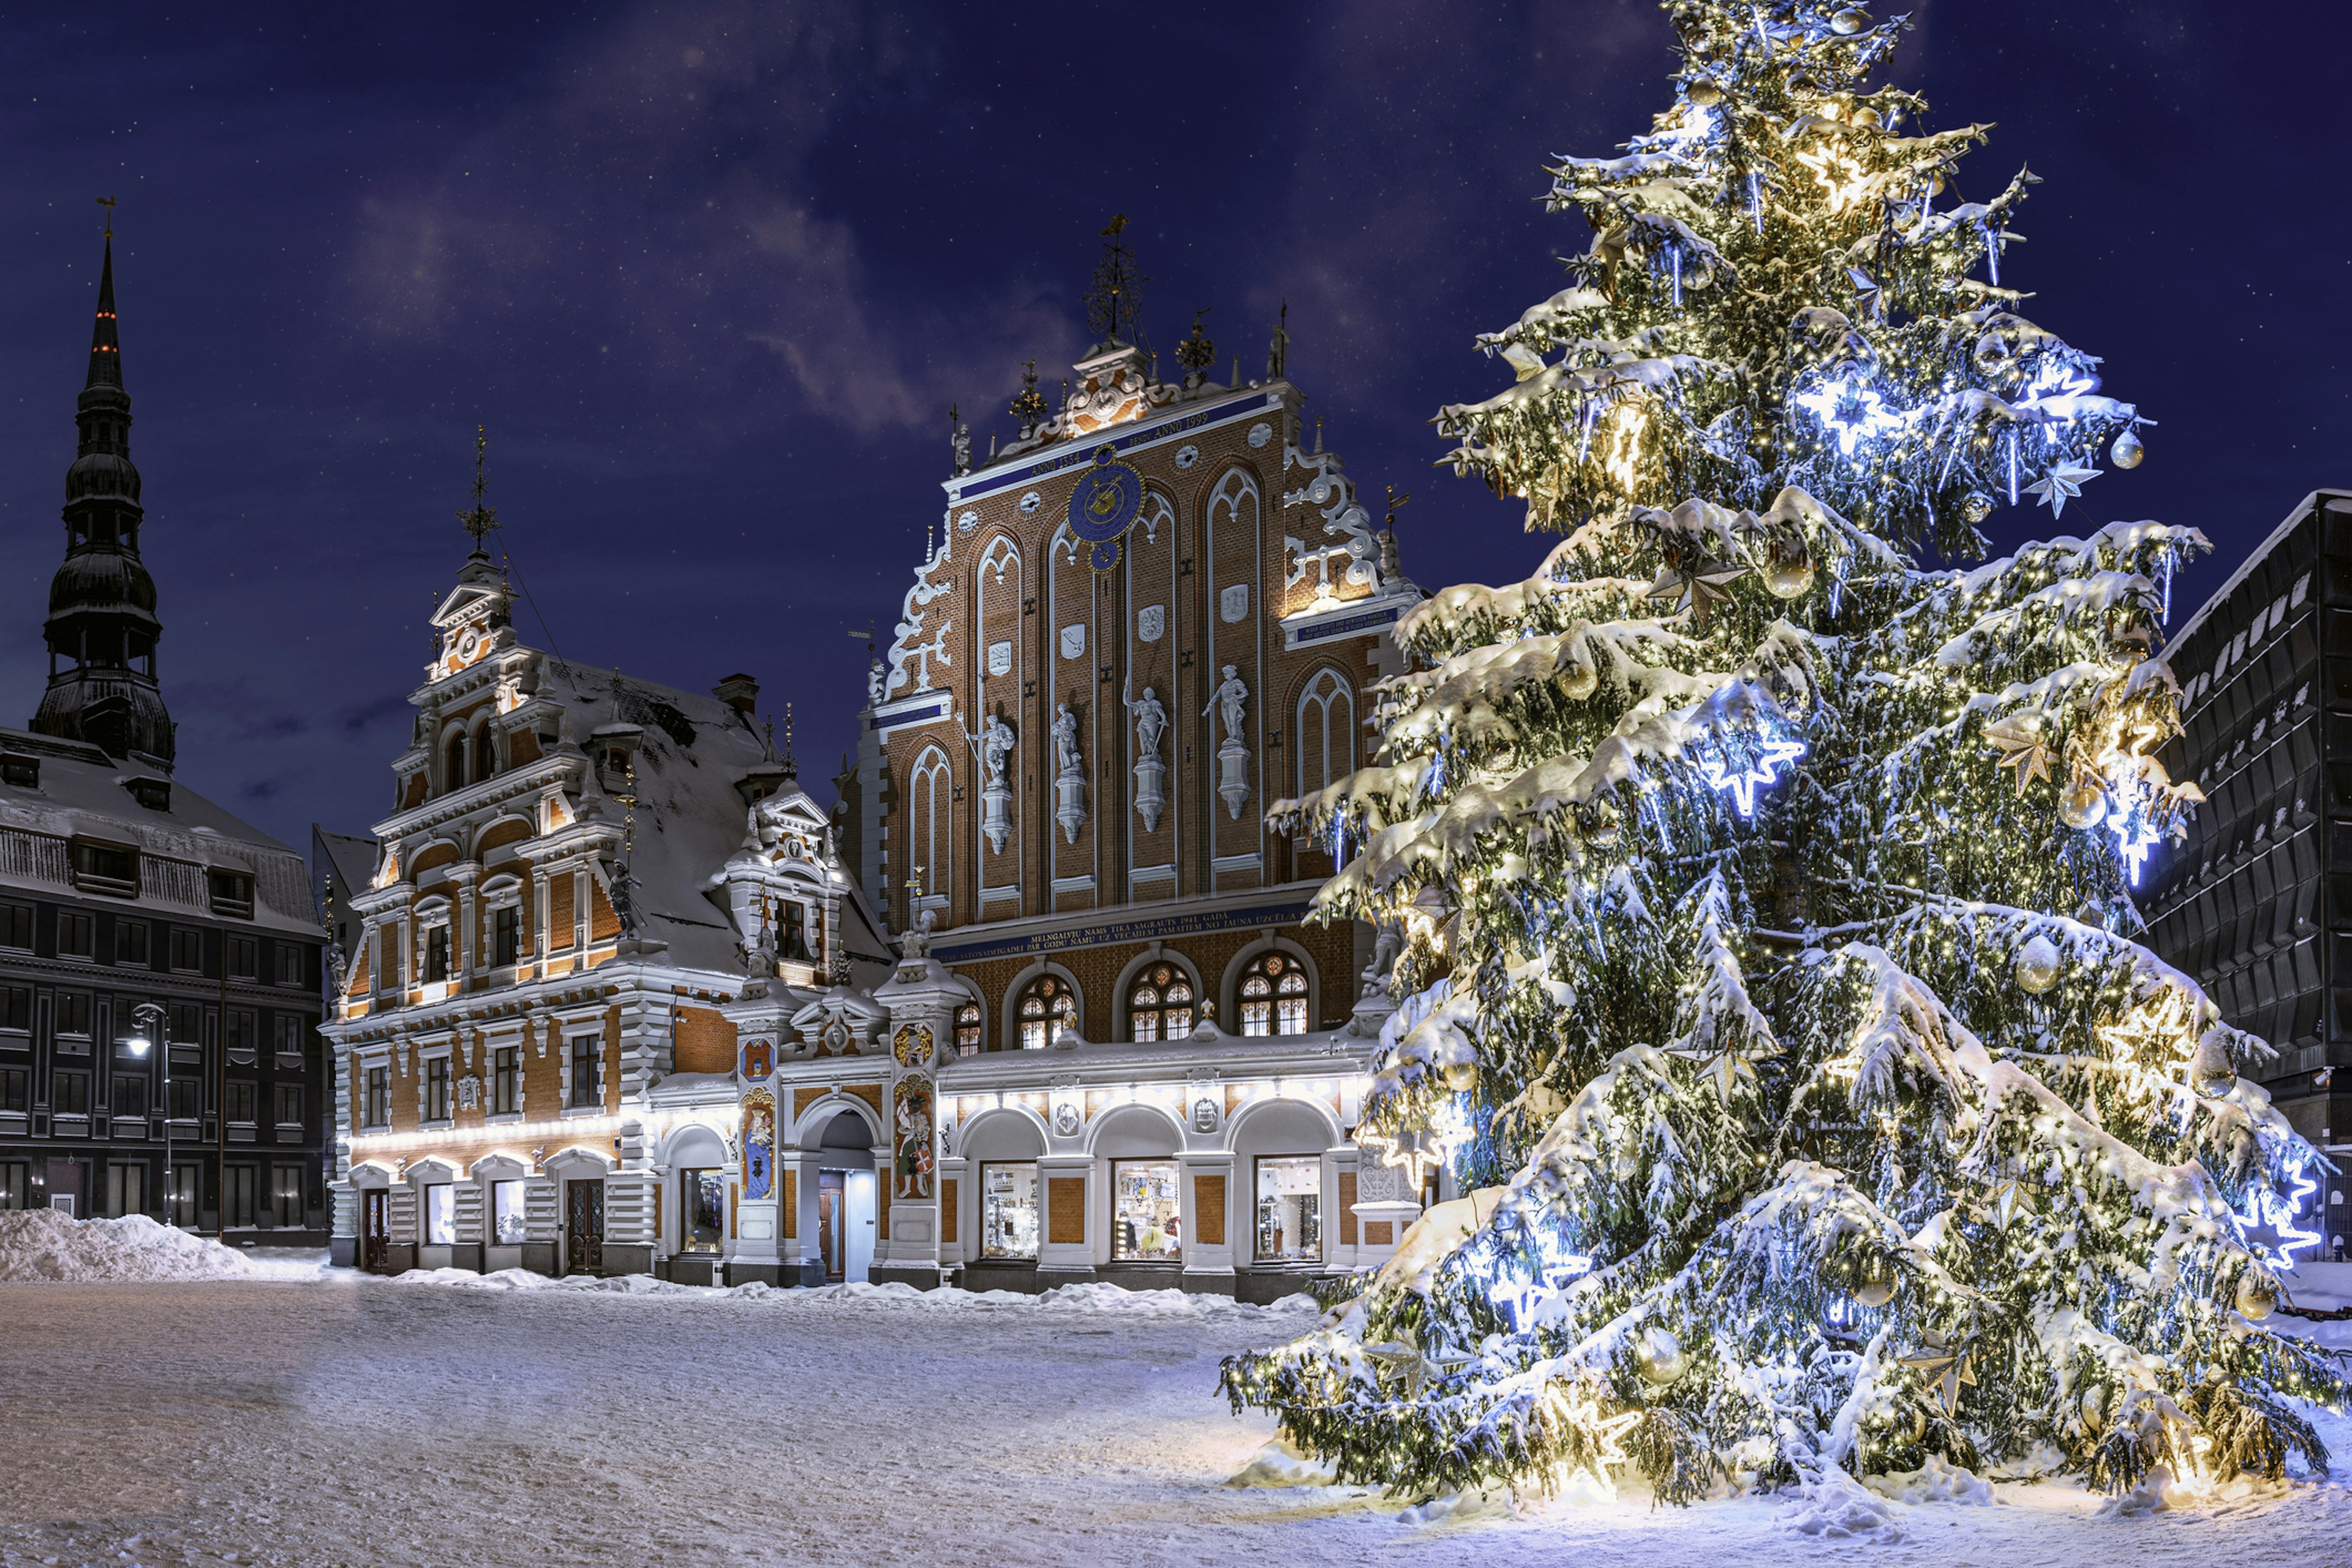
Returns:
(844, 1197)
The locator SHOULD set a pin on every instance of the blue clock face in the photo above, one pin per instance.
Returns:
(1104, 506)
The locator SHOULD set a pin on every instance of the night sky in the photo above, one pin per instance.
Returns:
(712, 275)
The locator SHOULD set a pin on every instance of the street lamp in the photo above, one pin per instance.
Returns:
(147, 1031)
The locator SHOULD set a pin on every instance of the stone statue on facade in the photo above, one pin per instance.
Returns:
(992, 743)
(1150, 720)
(1233, 753)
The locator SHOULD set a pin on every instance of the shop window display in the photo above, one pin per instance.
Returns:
(1145, 1226)
(505, 1214)
(440, 1215)
(703, 1199)
(1290, 1209)
(1008, 1211)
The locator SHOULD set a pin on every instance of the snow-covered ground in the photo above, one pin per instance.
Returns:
(329, 1419)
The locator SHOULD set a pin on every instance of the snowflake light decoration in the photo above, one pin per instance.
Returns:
(1744, 784)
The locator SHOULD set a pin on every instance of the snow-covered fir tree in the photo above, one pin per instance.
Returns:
(1771, 976)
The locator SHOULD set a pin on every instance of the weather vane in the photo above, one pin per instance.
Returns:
(108, 203)
(481, 519)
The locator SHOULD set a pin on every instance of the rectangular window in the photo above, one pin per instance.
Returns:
(286, 1204)
(436, 1089)
(130, 943)
(290, 964)
(184, 1094)
(440, 1215)
(703, 1202)
(243, 958)
(73, 1013)
(15, 1090)
(242, 1096)
(795, 942)
(506, 1081)
(187, 1024)
(290, 1036)
(187, 950)
(1290, 1209)
(586, 1050)
(131, 1096)
(1008, 1211)
(289, 1104)
(506, 1213)
(15, 1184)
(180, 1194)
(16, 926)
(17, 1007)
(506, 935)
(1144, 1210)
(232, 895)
(76, 935)
(244, 1031)
(126, 1190)
(236, 1195)
(436, 953)
(106, 868)
(69, 1094)
(24, 773)
(375, 1106)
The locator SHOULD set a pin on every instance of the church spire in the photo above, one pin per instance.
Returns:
(101, 628)
(105, 346)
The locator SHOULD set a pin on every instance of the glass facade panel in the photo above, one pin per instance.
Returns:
(440, 1215)
(1008, 1211)
(1145, 1226)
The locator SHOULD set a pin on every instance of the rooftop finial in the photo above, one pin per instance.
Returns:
(481, 519)
(1114, 300)
(791, 765)
(108, 203)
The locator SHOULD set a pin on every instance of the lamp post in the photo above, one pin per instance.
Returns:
(147, 1033)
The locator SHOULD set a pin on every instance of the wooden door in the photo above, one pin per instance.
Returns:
(583, 1227)
(828, 1221)
(375, 1231)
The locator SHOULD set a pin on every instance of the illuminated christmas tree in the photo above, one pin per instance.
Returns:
(1770, 966)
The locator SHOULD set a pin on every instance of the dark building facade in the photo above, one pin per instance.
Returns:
(122, 888)
(2257, 902)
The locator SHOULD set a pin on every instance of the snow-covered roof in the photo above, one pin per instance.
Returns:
(83, 792)
(690, 752)
(2254, 557)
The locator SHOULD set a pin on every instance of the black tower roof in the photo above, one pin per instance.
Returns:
(101, 628)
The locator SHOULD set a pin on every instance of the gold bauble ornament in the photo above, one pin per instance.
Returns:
(1603, 834)
(1459, 1076)
(1579, 681)
(2038, 965)
(2257, 1294)
(1705, 93)
(2085, 807)
(1874, 1280)
(1659, 1357)
(1790, 572)
(1850, 21)
(1974, 507)
(2127, 452)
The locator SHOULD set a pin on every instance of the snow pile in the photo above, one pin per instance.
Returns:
(48, 1244)
(1836, 1507)
(1937, 1481)
(2318, 1287)
(1281, 1464)
(2153, 1495)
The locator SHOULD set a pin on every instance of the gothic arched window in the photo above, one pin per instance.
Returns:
(1325, 731)
(1159, 1005)
(967, 1029)
(1273, 995)
(1046, 1007)
(456, 775)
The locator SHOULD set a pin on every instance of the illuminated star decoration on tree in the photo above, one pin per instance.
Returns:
(2061, 485)
(1744, 784)
(1851, 409)
(1945, 1367)
(2023, 746)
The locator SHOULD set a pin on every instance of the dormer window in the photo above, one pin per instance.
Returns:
(156, 794)
(231, 893)
(22, 772)
(110, 869)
